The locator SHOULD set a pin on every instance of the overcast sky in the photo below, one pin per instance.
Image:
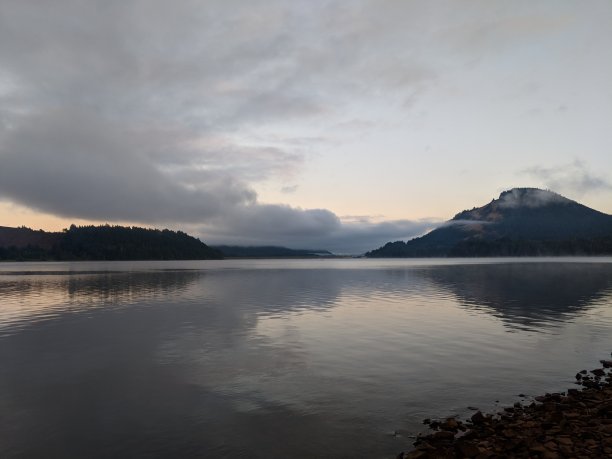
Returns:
(323, 124)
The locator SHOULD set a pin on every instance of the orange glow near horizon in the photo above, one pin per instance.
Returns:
(14, 215)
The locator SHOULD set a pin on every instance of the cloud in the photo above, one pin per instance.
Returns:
(309, 229)
(225, 65)
(289, 189)
(154, 113)
(503, 28)
(75, 164)
(176, 113)
(574, 178)
(94, 168)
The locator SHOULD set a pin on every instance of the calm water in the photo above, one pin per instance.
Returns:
(270, 359)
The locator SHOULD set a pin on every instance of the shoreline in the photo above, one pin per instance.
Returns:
(576, 423)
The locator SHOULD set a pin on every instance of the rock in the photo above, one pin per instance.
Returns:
(537, 449)
(467, 449)
(425, 446)
(572, 424)
(414, 455)
(443, 436)
(551, 445)
(565, 441)
(478, 418)
(450, 424)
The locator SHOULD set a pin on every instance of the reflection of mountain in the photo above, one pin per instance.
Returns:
(525, 294)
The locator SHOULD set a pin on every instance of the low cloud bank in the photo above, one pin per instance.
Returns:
(76, 164)
(310, 229)
(79, 165)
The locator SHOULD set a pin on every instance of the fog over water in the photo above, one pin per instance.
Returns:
(277, 358)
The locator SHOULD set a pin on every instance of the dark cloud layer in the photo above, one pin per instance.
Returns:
(77, 165)
(315, 229)
(135, 111)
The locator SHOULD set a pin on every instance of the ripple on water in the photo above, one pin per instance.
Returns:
(307, 358)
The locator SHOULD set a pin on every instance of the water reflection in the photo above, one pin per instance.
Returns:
(277, 360)
(154, 363)
(526, 295)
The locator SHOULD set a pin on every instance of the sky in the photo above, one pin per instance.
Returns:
(336, 124)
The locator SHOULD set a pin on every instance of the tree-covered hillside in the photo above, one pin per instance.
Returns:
(521, 222)
(103, 243)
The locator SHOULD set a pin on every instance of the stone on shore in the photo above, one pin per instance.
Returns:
(572, 424)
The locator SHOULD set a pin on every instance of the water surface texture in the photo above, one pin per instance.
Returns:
(274, 358)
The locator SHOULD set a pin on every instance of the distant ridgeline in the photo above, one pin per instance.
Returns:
(234, 251)
(102, 243)
(521, 222)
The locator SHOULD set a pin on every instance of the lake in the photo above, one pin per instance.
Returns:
(322, 358)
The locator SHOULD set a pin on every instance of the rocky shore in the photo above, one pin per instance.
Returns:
(572, 424)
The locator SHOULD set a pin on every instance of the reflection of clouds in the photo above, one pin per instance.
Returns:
(287, 358)
(525, 294)
(177, 366)
(234, 303)
(187, 313)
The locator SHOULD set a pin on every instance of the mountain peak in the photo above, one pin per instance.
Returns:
(529, 197)
(521, 221)
(512, 200)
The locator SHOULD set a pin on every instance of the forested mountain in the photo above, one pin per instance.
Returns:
(102, 243)
(236, 251)
(521, 222)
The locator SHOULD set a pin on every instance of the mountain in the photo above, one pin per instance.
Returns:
(521, 222)
(102, 243)
(236, 251)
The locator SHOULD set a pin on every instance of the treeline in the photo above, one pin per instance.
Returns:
(502, 247)
(27, 253)
(235, 251)
(114, 243)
